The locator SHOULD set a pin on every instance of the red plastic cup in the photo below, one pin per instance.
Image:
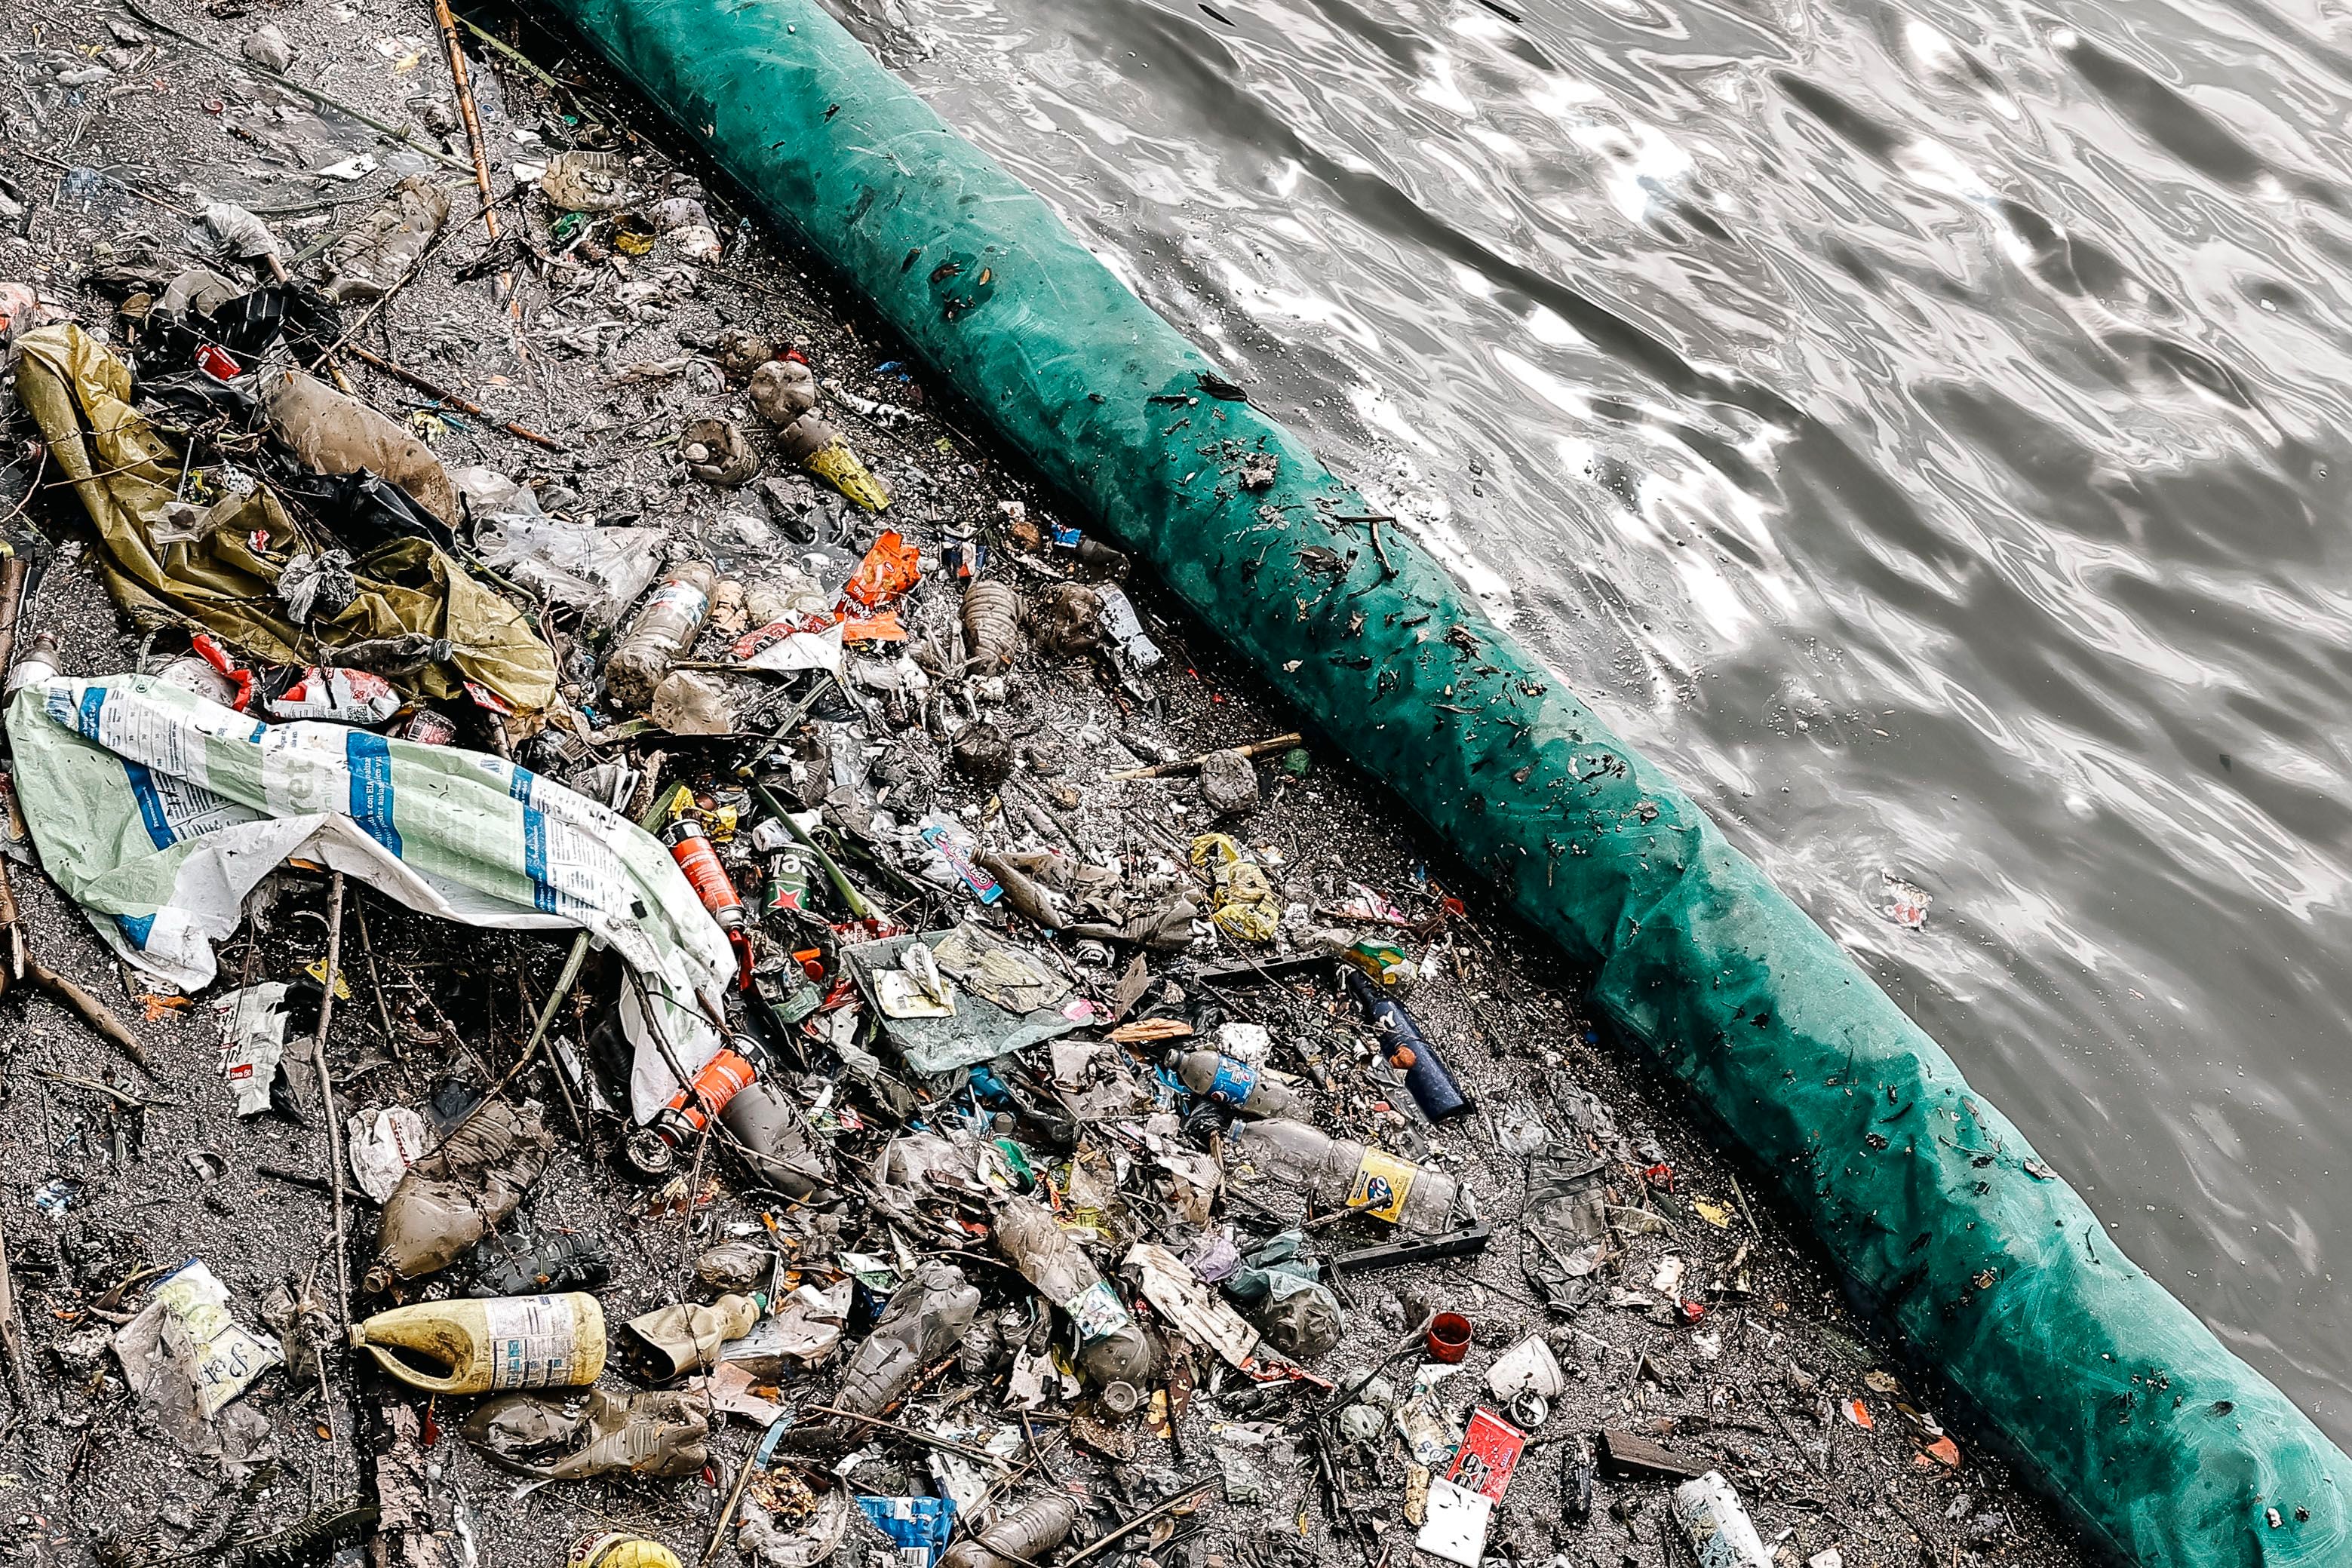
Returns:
(1449, 1337)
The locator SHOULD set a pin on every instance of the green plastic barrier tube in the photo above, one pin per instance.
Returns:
(2164, 1445)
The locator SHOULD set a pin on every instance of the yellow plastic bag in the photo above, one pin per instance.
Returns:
(1246, 908)
(224, 582)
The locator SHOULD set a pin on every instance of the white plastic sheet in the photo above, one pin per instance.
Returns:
(158, 811)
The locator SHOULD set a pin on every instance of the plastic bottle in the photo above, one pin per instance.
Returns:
(922, 1321)
(1112, 1348)
(1028, 1534)
(474, 1346)
(1708, 1514)
(1233, 1083)
(673, 1341)
(818, 447)
(660, 634)
(1407, 1049)
(449, 1199)
(1125, 629)
(783, 391)
(1340, 1171)
(775, 1139)
(727, 613)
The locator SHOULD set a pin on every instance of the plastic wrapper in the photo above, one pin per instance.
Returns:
(598, 572)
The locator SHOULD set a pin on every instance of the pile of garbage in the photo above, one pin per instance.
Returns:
(1037, 1177)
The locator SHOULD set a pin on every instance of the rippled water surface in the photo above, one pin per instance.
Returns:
(1922, 427)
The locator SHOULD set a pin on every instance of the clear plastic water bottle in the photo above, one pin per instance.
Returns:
(660, 635)
(1339, 1171)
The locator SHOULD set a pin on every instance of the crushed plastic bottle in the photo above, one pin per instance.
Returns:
(673, 1341)
(1708, 1514)
(474, 1346)
(924, 1320)
(1233, 1083)
(1125, 629)
(1112, 1346)
(1334, 1171)
(1024, 1536)
(449, 1200)
(663, 631)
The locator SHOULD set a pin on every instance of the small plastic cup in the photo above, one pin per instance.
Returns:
(1449, 1337)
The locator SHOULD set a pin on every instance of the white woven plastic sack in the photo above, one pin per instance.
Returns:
(158, 811)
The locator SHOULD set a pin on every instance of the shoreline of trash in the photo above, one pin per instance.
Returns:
(1019, 1101)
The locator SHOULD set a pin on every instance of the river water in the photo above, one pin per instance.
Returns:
(1922, 428)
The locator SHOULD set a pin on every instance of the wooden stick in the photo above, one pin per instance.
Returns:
(909, 1432)
(463, 405)
(1138, 1522)
(473, 130)
(1254, 748)
(12, 1336)
(327, 1086)
(12, 604)
(68, 993)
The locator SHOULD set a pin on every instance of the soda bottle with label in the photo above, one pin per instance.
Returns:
(1230, 1081)
(1337, 1171)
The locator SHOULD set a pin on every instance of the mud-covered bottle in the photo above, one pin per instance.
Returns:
(1023, 1536)
(449, 1199)
(1112, 1346)
(473, 1346)
(921, 1322)
(1228, 1082)
(660, 634)
(1337, 1171)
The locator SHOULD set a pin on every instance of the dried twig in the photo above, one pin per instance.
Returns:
(463, 405)
(1169, 769)
(327, 1087)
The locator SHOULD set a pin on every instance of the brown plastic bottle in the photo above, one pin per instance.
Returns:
(659, 636)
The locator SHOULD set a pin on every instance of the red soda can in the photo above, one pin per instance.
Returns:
(689, 845)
